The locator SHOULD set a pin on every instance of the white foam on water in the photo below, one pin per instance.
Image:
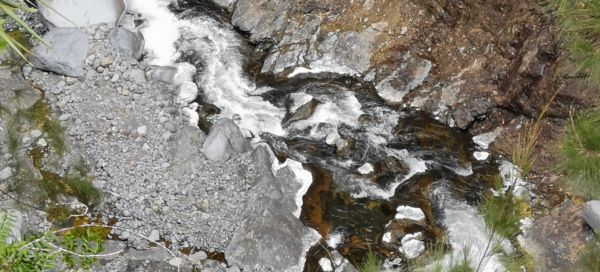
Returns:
(387, 237)
(366, 169)
(334, 239)
(325, 265)
(223, 80)
(481, 155)
(161, 32)
(511, 178)
(324, 66)
(304, 177)
(304, 70)
(468, 235)
(410, 213)
(344, 108)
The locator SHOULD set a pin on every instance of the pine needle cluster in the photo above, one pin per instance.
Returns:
(580, 151)
(580, 24)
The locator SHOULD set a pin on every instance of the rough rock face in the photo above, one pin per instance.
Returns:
(300, 41)
(406, 78)
(270, 234)
(78, 13)
(224, 139)
(66, 54)
(464, 61)
(559, 237)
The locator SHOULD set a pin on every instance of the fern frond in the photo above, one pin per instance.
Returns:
(6, 226)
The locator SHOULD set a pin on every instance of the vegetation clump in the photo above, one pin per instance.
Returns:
(76, 247)
(9, 10)
(589, 260)
(580, 23)
(580, 151)
(371, 263)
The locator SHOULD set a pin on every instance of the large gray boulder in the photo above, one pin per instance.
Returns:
(66, 54)
(78, 13)
(271, 238)
(591, 214)
(129, 44)
(224, 139)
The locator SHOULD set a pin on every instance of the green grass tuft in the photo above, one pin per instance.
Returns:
(56, 134)
(371, 263)
(83, 189)
(580, 152)
(13, 139)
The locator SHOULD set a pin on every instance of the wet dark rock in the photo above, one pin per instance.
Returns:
(129, 44)
(470, 111)
(65, 55)
(303, 112)
(433, 140)
(224, 140)
(366, 120)
(343, 148)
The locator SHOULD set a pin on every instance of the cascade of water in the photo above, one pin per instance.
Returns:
(224, 84)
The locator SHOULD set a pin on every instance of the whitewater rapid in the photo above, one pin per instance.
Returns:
(225, 84)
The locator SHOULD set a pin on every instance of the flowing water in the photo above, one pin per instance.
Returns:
(362, 164)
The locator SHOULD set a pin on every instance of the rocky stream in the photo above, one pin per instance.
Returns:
(286, 135)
